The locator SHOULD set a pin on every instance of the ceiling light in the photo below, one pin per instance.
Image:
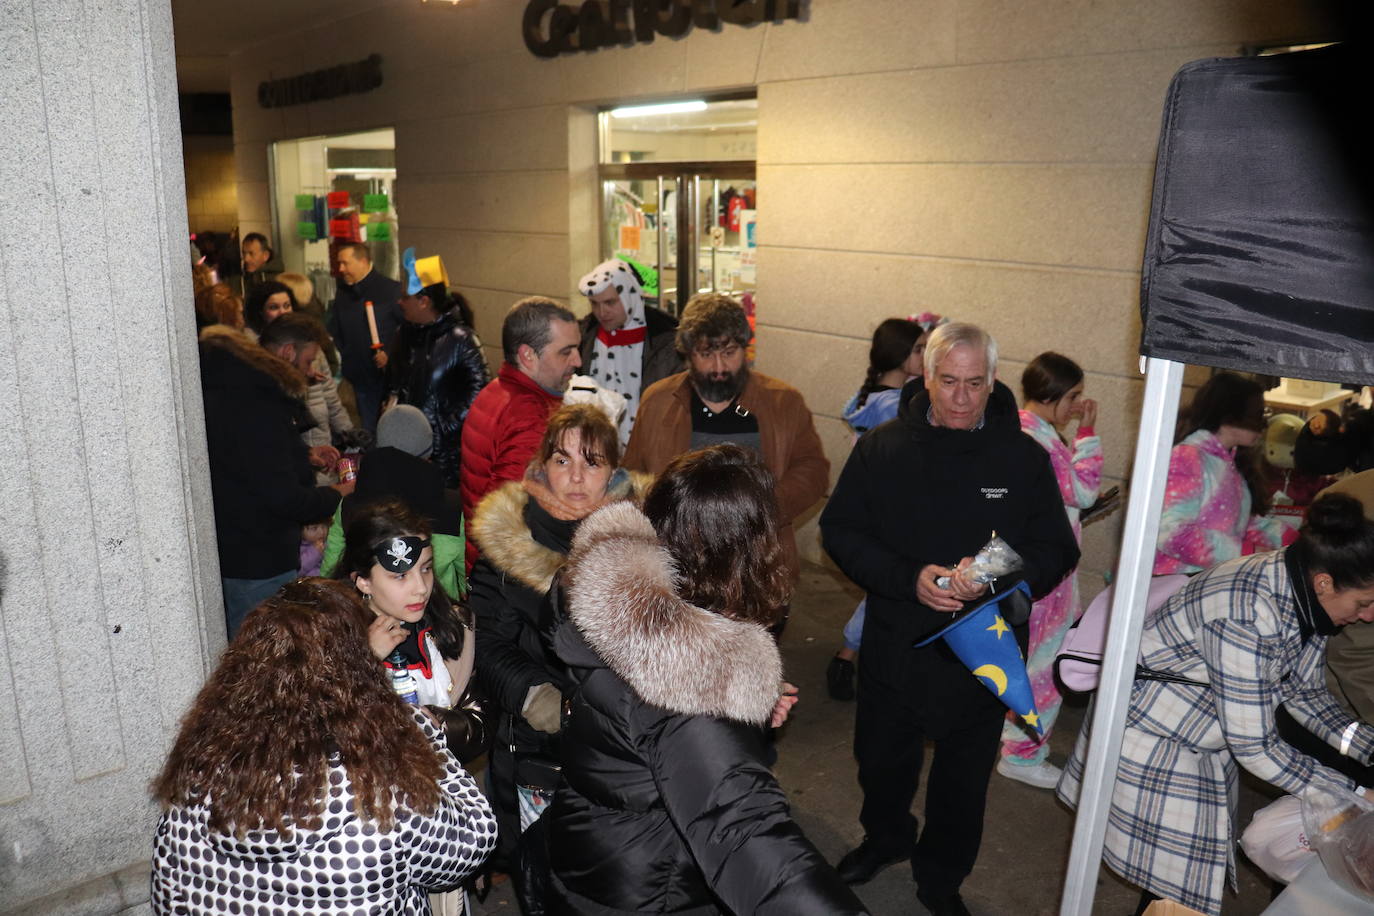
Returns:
(636, 111)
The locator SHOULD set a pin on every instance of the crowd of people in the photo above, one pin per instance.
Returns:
(578, 570)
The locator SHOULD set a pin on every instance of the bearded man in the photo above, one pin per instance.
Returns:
(720, 399)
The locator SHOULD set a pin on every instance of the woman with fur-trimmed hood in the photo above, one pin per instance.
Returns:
(668, 804)
(525, 529)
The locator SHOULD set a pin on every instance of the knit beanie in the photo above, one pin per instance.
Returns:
(405, 427)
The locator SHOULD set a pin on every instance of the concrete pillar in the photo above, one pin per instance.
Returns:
(110, 614)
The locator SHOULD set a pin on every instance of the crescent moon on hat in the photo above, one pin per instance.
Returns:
(994, 674)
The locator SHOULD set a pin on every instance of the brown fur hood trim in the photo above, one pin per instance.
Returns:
(623, 598)
(499, 528)
(240, 345)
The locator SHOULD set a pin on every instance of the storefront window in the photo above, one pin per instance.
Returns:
(331, 190)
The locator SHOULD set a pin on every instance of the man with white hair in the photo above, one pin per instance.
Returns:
(626, 345)
(918, 497)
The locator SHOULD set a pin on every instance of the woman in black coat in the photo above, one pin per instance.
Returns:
(668, 805)
(524, 529)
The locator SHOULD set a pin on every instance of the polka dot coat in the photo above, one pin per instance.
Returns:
(348, 866)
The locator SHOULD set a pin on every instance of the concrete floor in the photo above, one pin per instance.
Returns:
(1027, 833)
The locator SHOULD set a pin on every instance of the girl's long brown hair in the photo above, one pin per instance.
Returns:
(297, 686)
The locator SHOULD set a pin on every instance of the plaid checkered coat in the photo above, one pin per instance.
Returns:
(1235, 627)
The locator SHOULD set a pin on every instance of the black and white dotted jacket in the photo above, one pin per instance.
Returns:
(346, 866)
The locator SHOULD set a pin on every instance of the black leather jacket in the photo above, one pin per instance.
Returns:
(438, 368)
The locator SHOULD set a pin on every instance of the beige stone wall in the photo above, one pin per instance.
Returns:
(212, 195)
(988, 159)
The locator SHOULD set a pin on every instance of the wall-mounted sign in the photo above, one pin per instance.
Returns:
(318, 85)
(551, 27)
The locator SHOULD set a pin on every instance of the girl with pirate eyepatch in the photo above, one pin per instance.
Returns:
(388, 558)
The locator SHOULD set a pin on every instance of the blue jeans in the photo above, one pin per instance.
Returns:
(242, 595)
(369, 405)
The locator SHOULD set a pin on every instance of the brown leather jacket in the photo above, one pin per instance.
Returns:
(791, 448)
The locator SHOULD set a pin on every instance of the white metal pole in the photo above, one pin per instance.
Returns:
(1163, 381)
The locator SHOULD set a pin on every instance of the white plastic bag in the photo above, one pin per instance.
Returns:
(1276, 840)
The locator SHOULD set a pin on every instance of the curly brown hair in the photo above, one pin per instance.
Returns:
(711, 318)
(218, 304)
(297, 690)
(715, 511)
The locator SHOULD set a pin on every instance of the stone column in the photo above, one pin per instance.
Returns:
(110, 614)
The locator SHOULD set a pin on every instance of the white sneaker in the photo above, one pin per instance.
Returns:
(1043, 775)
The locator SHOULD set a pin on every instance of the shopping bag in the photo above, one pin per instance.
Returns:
(1276, 840)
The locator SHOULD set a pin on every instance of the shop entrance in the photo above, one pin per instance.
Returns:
(330, 190)
(678, 194)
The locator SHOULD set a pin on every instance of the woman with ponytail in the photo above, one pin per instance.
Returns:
(895, 357)
(1216, 662)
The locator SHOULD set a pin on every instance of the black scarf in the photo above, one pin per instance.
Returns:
(1312, 617)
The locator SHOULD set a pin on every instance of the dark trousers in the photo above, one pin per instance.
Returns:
(504, 804)
(892, 723)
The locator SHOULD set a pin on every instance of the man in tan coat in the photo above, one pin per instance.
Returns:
(718, 400)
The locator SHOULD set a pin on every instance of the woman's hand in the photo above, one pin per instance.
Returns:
(384, 635)
(1087, 415)
(786, 701)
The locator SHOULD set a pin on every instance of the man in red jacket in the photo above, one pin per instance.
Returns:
(540, 341)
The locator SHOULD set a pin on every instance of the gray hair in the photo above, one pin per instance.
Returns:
(529, 323)
(959, 334)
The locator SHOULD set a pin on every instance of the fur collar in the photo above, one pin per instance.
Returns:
(499, 528)
(674, 655)
(243, 348)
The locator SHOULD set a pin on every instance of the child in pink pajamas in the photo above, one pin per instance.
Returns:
(1214, 503)
(1052, 392)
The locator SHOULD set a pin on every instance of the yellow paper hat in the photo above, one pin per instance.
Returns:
(423, 272)
(431, 270)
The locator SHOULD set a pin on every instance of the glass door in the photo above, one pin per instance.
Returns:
(693, 224)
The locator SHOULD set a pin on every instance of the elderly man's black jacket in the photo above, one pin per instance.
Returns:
(912, 494)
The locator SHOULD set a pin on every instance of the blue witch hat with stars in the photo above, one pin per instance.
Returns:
(984, 642)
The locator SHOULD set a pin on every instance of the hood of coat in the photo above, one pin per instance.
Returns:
(1000, 417)
(622, 591)
(501, 531)
(247, 362)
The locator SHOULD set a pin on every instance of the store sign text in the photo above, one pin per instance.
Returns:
(318, 85)
(551, 27)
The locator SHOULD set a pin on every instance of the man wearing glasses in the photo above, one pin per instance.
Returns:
(718, 400)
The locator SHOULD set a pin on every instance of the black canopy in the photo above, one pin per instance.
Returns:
(1260, 250)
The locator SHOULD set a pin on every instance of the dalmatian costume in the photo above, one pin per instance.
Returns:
(618, 356)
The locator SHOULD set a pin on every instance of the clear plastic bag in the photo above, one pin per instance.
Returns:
(1340, 827)
(995, 560)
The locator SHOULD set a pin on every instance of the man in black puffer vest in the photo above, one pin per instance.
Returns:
(919, 495)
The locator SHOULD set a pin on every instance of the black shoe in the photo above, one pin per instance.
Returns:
(951, 905)
(861, 863)
(839, 679)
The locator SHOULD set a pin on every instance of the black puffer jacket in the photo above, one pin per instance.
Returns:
(260, 475)
(438, 368)
(667, 805)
